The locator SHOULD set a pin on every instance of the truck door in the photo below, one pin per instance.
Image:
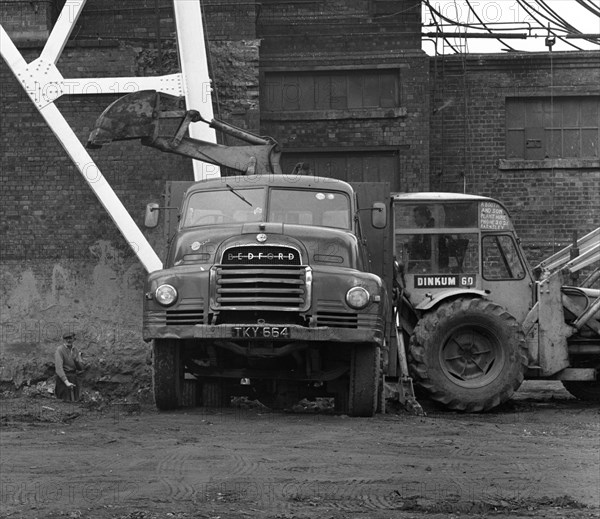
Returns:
(174, 191)
(378, 241)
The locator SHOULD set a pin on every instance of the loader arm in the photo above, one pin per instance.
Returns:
(160, 121)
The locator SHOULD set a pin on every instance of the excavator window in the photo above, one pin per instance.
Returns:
(439, 215)
(425, 253)
(500, 258)
(437, 237)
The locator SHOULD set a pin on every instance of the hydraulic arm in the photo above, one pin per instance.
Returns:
(161, 121)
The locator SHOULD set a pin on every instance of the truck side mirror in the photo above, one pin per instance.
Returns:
(379, 215)
(151, 216)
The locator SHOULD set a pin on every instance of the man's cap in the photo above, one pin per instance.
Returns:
(69, 335)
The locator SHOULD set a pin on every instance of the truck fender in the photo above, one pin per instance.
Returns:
(432, 300)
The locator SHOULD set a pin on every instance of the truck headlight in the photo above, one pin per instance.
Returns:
(165, 295)
(357, 298)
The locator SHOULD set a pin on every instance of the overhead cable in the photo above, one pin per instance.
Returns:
(486, 27)
(528, 9)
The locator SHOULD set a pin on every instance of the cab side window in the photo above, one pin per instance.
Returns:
(500, 258)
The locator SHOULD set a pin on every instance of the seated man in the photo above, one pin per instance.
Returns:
(420, 244)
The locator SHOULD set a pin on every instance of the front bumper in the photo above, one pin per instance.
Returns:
(293, 333)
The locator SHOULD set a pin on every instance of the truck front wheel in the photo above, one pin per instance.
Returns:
(167, 373)
(468, 354)
(365, 372)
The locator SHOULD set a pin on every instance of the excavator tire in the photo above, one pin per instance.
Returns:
(365, 372)
(588, 391)
(167, 373)
(468, 354)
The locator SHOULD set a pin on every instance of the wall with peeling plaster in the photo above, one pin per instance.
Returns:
(100, 300)
(63, 264)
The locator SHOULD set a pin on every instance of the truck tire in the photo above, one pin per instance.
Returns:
(214, 393)
(583, 390)
(468, 354)
(365, 372)
(167, 373)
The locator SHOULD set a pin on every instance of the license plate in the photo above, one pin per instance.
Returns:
(262, 332)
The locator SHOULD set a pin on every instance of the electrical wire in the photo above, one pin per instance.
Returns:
(433, 13)
(562, 21)
(542, 13)
(528, 9)
(451, 21)
(567, 25)
(485, 26)
(556, 19)
(455, 23)
(591, 8)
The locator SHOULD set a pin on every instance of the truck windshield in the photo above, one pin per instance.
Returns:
(224, 206)
(310, 207)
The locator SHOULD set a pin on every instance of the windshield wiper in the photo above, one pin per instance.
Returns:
(238, 195)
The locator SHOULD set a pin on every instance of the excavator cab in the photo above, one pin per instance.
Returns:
(447, 243)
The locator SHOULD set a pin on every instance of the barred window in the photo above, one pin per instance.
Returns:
(309, 91)
(552, 127)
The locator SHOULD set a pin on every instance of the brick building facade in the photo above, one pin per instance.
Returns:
(524, 129)
(342, 85)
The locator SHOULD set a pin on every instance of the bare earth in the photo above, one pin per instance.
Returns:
(539, 456)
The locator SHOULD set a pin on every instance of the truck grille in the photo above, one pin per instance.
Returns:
(335, 315)
(337, 319)
(261, 255)
(264, 287)
(189, 311)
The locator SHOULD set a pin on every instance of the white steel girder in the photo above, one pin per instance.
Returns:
(196, 81)
(44, 84)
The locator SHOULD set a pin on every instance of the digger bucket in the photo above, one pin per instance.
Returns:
(133, 116)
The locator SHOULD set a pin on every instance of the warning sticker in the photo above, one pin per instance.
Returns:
(493, 216)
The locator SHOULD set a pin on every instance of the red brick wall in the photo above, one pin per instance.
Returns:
(27, 21)
(50, 210)
(341, 36)
(549, 202)
(64, 265)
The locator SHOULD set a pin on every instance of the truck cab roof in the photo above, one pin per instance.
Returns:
(295, 181)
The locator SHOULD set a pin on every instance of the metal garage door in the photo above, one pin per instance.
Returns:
(361, 166)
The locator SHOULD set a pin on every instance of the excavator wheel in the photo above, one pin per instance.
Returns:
(588, 391)
(167, 373)
(468, 354)
(365, 372)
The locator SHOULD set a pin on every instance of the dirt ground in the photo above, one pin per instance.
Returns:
(536, 457)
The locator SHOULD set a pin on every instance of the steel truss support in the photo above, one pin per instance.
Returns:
(44, 84)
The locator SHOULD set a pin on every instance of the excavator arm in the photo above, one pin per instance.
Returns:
(161, 121)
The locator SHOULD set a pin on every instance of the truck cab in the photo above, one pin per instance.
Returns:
(267, 280)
